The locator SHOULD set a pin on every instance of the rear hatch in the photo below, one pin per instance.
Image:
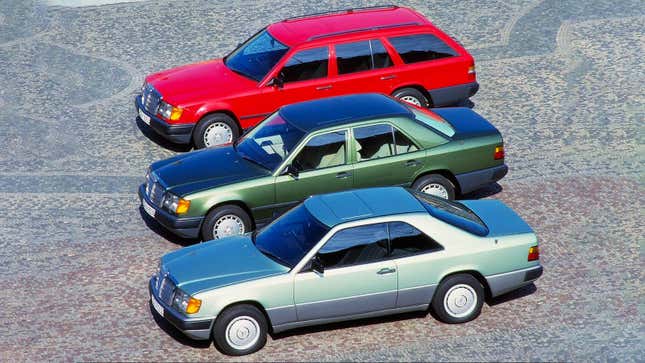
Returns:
(498, 217)
(466, 122)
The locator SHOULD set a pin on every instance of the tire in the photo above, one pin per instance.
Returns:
(232, 220)
(250, 324)
(435, 184)
(221, 129)
(413, 96)
(454, 291)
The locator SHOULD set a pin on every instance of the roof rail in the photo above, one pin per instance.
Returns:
(343, 11)
(314, 37)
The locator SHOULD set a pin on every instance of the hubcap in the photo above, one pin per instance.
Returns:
(228, 225)
(460, 300)
(217, 133)
(242, 332)
(411, 99)
(435, 189)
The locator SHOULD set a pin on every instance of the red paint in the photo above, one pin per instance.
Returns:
(210, 86)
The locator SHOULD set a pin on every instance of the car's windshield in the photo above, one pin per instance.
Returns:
(257, 56)
(269, 143)
(289, 238)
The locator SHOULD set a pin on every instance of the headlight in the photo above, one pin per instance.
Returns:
(175, 204)
(169, 112)
(185, 302)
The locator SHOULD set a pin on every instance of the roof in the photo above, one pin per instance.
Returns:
(298, 30)
(340, 110)
(335, 208)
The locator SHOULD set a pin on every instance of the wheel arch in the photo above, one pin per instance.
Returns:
(419, 88)
(476, 274)
(238, 203)
(254, 303)
(446, 174)
(225, 111)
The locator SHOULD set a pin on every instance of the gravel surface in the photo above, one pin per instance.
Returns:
(562, 80)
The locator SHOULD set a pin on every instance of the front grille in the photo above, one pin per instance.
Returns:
(150, 99)
(154, 190)
(166, 290)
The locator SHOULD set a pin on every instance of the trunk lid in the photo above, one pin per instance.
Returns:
(498, 217)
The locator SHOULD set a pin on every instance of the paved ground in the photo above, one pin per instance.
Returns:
(562, 80)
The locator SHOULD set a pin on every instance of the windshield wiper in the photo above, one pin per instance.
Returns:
(253, 161)
(274, 257)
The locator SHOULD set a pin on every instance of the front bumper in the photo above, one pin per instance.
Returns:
(187, 227)
(180, 133)
(199, 329)
(474, 180)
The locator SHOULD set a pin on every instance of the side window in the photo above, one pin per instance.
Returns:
(381, 59)
(406, 240)
(421, 47)
(403, 143)
(373, 142)
(322, 151)
(306, 64)
(354, 246)
(361, 56)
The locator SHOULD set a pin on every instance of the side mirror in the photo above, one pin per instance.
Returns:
(317, 266)
(291, 170)
(276, 81)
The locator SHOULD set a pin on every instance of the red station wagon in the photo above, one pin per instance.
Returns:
(390, 50)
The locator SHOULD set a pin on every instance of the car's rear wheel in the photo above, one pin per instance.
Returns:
(215, 129)
(437, 185)
(412, 96)
(458, 299)
(225, 221)
(240, 330)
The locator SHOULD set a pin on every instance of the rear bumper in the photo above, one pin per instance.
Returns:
(180, 134)
(474, 180)
(183, 227)
(509, 281)
(448, 96)
(198, 329)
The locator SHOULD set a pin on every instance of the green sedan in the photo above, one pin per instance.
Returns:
(322, 146)
(342, 256)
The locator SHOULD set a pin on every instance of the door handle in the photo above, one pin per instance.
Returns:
(386, 270)
(343, 175)
(323, 88)
(411, 163)
(385, 78)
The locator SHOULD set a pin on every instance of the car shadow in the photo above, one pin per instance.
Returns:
(176, 333)
(153, 136)
(483, 192)
(515, 294)
(163, 232)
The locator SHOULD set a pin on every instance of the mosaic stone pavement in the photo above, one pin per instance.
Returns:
(562, 80)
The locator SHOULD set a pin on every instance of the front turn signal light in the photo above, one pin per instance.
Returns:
(534, 253)
(193, 305)
(499, 153)
(175, 114)
(182, 206)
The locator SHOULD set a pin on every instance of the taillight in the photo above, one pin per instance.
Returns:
(534, 253)
(499, 152)
(471, 69)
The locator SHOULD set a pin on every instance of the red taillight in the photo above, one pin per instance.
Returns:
(499, 153)
(471, 69)
(534, 253)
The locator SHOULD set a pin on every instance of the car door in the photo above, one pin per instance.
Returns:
(303, 76)
(357, 276)
(363, 66)
(321, 166)
(384, 156)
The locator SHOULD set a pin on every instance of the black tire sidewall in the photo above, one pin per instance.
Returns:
(413, 93)
(435, 178)
(450, 281)
(230, 313)
(202, 125)
(212, 216)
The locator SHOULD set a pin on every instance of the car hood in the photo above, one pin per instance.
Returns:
(466, 122)
(204, 169)
(192, 83)
(498, 217)
(218, 263)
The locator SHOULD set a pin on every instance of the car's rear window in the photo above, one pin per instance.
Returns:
(453, 213)
(432, 120)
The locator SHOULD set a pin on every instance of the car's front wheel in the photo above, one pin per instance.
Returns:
(240, 330)
(215, 129)
(458, 299)
(225, 221)
(435, 184)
